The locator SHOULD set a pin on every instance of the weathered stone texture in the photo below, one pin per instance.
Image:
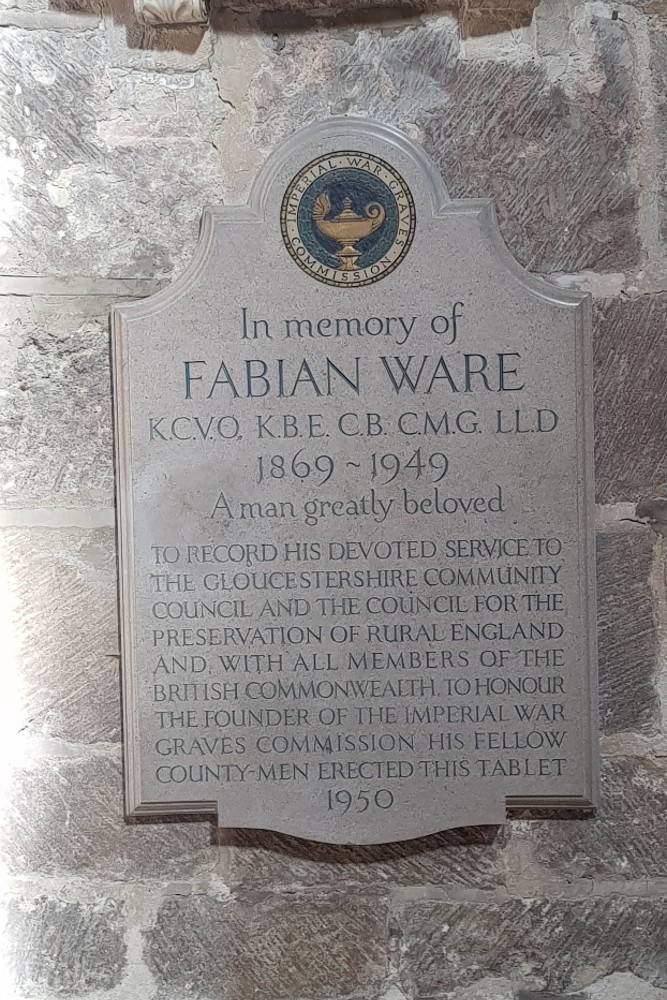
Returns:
(75, 8)
(558, 161)
(552, 28)
(536, 943)
(62, 947)
(487, 17)
(107, 172)
(627, 630)
(114, 137)
(622, 987)
(532, 995)
(64, 816)
(652, 510)
(630, 367)
(619, 986)
(55, 413)
(624, 840)
(658, 68)
(355, 9)
(476, 17)
(486, 989)
(269, 948)
(256, 859)
(60, 588)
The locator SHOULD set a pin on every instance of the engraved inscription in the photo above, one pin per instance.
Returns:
(355, 528)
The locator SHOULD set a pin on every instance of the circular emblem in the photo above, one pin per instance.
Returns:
(348, 219)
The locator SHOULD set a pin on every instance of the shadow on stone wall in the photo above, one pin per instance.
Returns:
(286, 847)
(343, 855)
(476, 17)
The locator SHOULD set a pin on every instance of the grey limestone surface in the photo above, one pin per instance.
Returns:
(271, 476)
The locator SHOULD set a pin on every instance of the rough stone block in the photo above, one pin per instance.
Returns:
(557, 157)
(62, 947)
(303, 11)
(269, 948)
(561, 184)
(107, 171)
(256, 859)
(485, 989)
(552, 28)
(618, 986)
(623, 986)
(488, 17)
(60, 587)
(532, 995)
(539, 944)
(625, 840)
(55, 418)
(658, 68)
(627, 630)
(41, 11)
(630, 367)
(64, 816)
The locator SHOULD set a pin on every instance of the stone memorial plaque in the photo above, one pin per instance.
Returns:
(355, 499)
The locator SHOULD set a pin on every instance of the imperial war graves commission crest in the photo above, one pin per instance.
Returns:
(348, 219)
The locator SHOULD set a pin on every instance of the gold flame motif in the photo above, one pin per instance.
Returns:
(347, 228)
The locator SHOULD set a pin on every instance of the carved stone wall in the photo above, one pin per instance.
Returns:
(114, 136)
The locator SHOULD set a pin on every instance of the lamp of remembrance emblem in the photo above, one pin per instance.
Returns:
(348, 219)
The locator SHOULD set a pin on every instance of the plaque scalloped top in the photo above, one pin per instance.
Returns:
(354, 461)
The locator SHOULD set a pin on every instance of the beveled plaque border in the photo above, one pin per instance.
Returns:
(357, 131)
